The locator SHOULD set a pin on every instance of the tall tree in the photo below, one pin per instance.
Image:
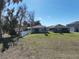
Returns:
(21, 14)
(37, 23)
(2, 6)
(25, 23)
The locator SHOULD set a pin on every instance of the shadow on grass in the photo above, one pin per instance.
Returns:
(7, 42)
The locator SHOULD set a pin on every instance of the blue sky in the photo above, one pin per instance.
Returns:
(52, 12)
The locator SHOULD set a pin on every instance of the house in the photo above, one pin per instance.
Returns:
(74, 27)
(50, 28)
(59, 29)
(39, 29)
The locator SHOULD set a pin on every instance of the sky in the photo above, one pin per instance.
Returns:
(52, 12)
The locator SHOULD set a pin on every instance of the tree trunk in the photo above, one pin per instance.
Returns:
(20, 27)
(0, 26)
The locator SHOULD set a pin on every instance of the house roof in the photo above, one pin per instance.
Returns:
(51, 26)
(74, 24)
(38, 26)
(60, 26)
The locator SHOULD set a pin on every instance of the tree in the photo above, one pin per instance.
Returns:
(59, 26)
(37, 23)
(10, 22)
(21, 14)
(61, 29)
(6, 25)
(12, 19)
(2, 6)
(25, 23)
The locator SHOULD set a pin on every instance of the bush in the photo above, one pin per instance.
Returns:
(12, 33)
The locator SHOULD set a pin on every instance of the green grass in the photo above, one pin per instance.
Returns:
(0, 46)
(54, 36)
(53, 46)
(34, 40)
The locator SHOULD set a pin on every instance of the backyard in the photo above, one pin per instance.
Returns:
(39, 46)
(39, 29)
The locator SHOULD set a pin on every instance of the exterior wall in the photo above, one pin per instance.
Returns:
(72, 29)
(39, 30)
(60, 30)
(77, 29)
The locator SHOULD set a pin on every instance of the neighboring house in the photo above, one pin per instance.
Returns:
(59, 29)
(74, 27)
(39, 29)
(50, 28)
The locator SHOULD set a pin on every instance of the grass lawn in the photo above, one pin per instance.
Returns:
(39, 46)
(54, 46)
(53, 36)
